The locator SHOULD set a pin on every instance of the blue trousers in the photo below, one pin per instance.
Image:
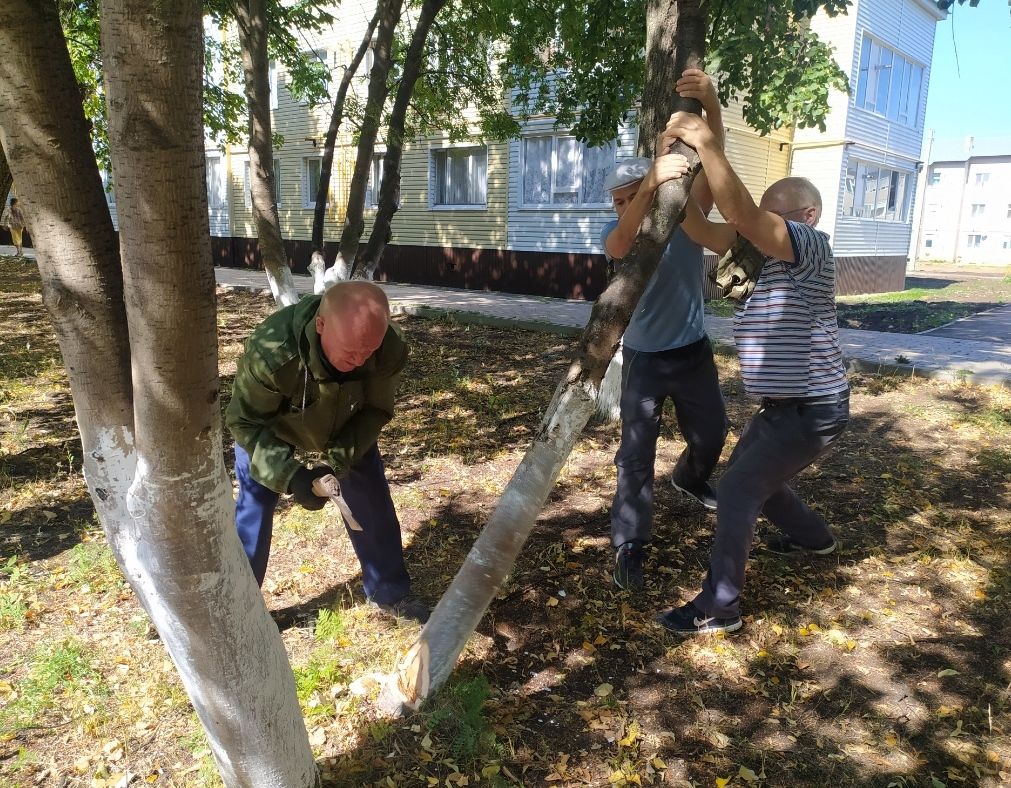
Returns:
(688, 376)
(378, 545)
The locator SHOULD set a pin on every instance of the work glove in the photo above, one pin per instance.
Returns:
(301, 487)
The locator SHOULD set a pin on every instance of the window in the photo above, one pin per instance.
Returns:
(1009, 212)
(561, 170)
(935, 178)
(1007, 242)
(982, 178)
(311, 166)
(978, 209)
(874, 192)
(928, 243)
(216, 196)
(888, 84)
(272, 78)
(247, 185)
(375, 180)
(975, 241)
(110, 195)
(459, 177)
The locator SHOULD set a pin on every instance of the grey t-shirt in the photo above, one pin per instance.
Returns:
(670, 312)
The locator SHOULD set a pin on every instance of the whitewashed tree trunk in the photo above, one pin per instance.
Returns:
(251, 17)
(675, 40)
(160, 489)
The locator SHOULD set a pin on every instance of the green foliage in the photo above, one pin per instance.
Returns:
(583, 63)
(455, 718)
(13, 609)
(330, 626)
(93, 567)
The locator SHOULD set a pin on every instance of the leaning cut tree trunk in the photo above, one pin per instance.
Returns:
(675, 41)
(354, 225)
(330, 142)
(178, 543)
(251, 16)
(367, 260)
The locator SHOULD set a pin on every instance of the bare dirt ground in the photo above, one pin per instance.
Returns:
(886, 664)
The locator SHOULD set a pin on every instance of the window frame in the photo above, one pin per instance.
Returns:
(433, 172)
(309, 201)
(979, 238)
(982, 178)
(222, 192)
(247, 184)
(892, 204)
(977, 209)
(892, 97)
(607, 205)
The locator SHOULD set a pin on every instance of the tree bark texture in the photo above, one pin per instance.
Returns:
(382, 61)
(251, 16)
(368, 259)
(429, 663)
(179, 543)
(45, 140)
(330, 142)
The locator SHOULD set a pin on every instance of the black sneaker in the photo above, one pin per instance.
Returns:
(689, 620)
(410, 606)
(702, 492)
(628, 560)
(784, 545)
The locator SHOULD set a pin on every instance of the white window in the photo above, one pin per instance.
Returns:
(982, 178)
(935, 178)
(375, 180)
(928, 242)
(247, 185)
(272, 78)
(888, 84)
(974, 241)
(217, 198)
(318, 60)
(978, 208)
(311, 167)
(110, 194)
(561, 170)
(1009, 212)
(1007, 242)
(459, 177)
(874, 192)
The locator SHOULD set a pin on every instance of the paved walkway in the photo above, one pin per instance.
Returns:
(944, 357)
(993, 325)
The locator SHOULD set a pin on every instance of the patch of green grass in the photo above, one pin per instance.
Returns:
(61, 677)
(995, 460)
(320, 673)
(330, 626)
(456, 719)
(92, 567)
(13, 609)
(722, 307)
(989, 418)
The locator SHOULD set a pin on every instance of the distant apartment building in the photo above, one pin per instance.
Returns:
(965, 211)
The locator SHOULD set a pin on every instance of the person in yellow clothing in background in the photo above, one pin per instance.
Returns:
(14, 220)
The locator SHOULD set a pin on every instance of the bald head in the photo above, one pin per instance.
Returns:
(796, 199)
(351, 322)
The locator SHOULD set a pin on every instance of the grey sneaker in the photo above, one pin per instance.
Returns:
(410, 606)
(702, 492)
(784, 545)
(628, 561)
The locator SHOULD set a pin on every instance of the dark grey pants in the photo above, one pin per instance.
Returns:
(782, 439)
(688, 376)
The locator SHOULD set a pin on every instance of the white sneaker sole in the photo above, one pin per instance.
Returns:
(710, 506)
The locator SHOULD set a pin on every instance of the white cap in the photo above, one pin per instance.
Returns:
(626, 172)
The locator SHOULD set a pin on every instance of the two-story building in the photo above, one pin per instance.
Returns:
(965, 211)
(525, 215)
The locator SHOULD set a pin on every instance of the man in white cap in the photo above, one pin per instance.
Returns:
(666, 351)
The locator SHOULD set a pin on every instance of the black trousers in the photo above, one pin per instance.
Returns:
(782, 439)
(688, 376)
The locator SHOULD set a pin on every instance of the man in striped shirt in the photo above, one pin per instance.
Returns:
(788, 342)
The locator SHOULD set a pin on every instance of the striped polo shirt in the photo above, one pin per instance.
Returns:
(786, 333)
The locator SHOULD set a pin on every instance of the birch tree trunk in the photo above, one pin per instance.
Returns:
(675, 31)
(367, 260)
(160, 489)
(389, 15)
(336, 119)
(251, 17)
